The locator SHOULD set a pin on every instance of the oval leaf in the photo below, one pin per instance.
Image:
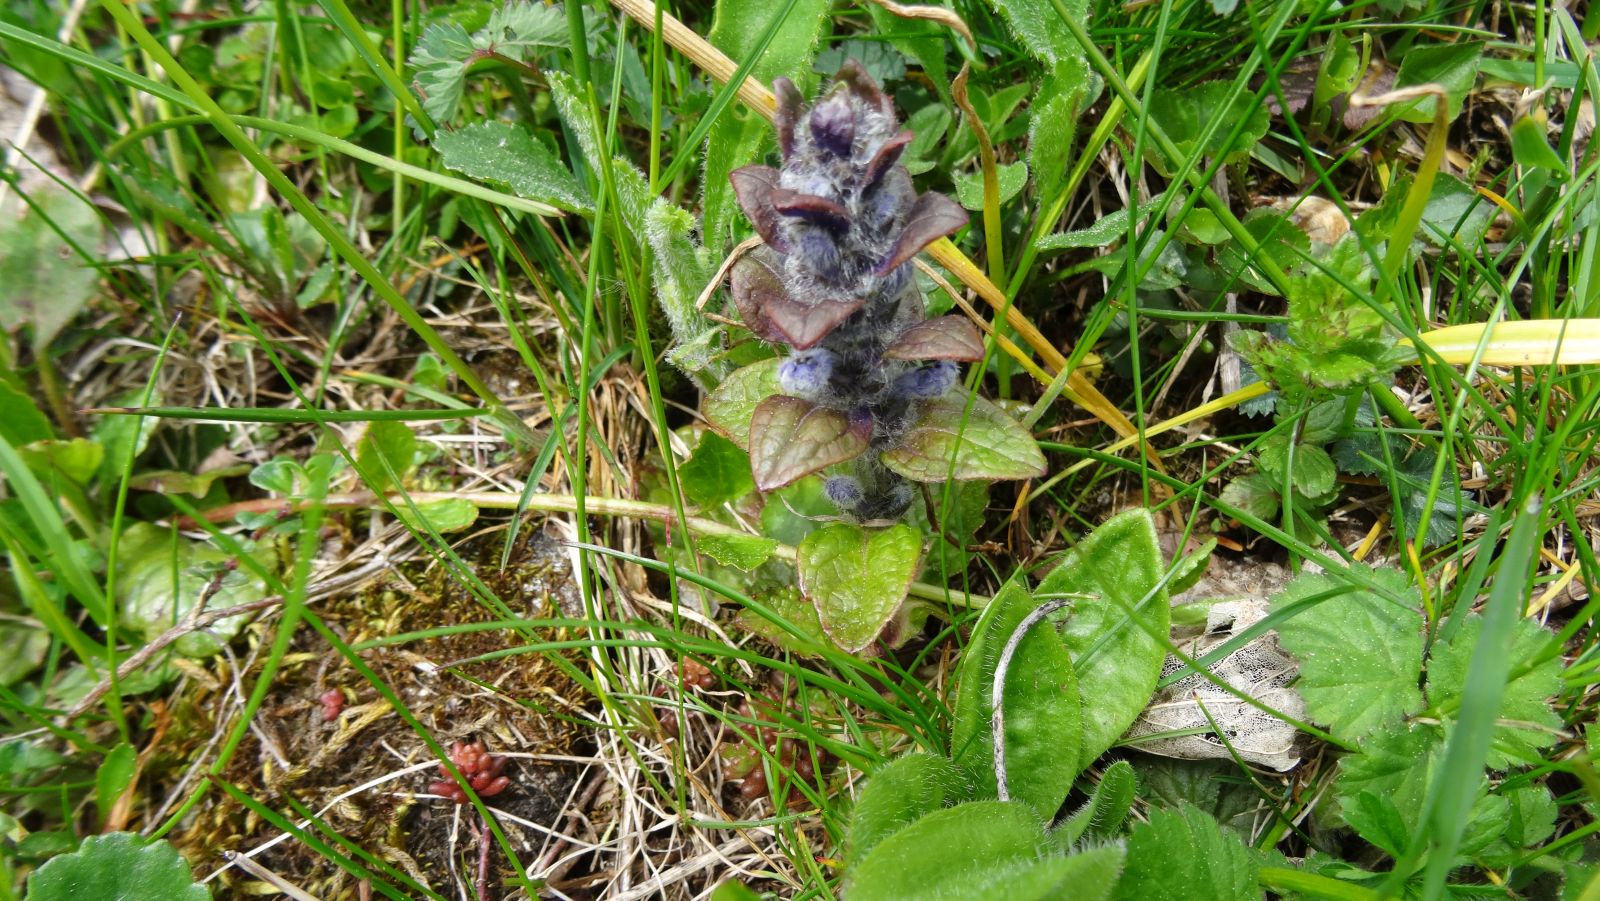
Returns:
(1117, 641)
(856, 578)
(731, 405)
(946, 338)
(791, 438)
(1041, 707)
(898, 794)
(957, 852)
(509, 154)
(755, 288)
(991, 445)
(753, 187)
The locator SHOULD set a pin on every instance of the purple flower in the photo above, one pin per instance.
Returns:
(806, 373)
(928, 381)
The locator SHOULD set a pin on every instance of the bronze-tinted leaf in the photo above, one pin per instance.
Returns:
(818, 210)
(946, 338)
(791, 438)
(804, 324)
(756, 290)
(888, 154)
(932, 217)
(949, 441)
(753, 185)
(852, 75)
(789, 103)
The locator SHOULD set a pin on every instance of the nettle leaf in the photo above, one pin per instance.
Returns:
(1117, 640)
(1183, 115)
(717, 472)
(731, 405)
(948, 442)
(1011, 176)
(898, 794)
(1382, 790)
(43, 280)
(1453, 67)
(1182, 854)
(509, 154)
(117, 865)
(791, 438)
(445, 54)
(1526, 701)
(982, 849)
(857, 578)
(1042, 708)
(1359, 652)
(944, 338)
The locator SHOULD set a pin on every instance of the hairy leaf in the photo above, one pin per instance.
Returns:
(1116, 637)
(898, 794)
(857, 578)
(959, 852)
(932, 217)
(446, 54)
(1103, 814)
(1041, 701)
(1183, 854)
(948, 442)
(507, 153)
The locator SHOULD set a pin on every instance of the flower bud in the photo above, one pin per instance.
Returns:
(805, 374)
(844, 491)
(928, 381)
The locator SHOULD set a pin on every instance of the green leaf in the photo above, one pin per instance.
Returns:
(898, 794)
(113, 777)
(118, 865)
(21, 420)
(1314, 474)
(733, 890)
(785, 601)
(1453, 67)
(1103, 814)
(1042, 708)
(1184, 115)
(1183, 854)
(857, 578)
(44, 281)
(1530, 147)
(1053, 128)
(75, 459)
(1117, 640)
(1105, 231)
(1382, 791)
(163, 576)
(924, 41)
(508, 154)
(794, 511)
(385, 455)
(1277, 239)
(742, 552)
(735, 138)
(446, 53)
(1039, 27)
(730, 407)
(1012, 178)
(1359, 652)
(717, 472)
(946, 442)
(1526, 700)
(451, 514)
(881, 60)
(959, 852)
(26, 646)
(791, 438)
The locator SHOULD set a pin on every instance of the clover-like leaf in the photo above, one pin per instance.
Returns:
(731, 405)
(753, 186)
(790, 438)
(945, 338)
(857, 578)
(946, 442)
(932, 217)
